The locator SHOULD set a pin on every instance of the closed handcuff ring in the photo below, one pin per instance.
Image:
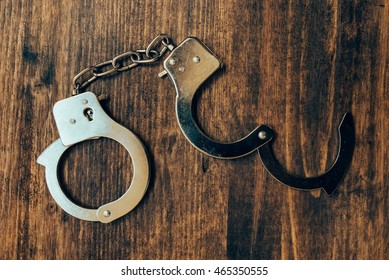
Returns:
(80, 118)
(189, 65)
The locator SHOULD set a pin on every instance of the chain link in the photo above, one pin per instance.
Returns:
(122, 62)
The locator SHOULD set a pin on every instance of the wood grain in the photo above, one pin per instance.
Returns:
(295, 65)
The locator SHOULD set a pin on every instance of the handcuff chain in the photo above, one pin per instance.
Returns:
(156, 49)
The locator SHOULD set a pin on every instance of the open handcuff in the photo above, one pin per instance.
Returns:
(189, 65)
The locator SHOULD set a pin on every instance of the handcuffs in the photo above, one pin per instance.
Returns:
(189, 65)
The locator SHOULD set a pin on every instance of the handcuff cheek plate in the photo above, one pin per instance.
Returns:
(189, 65)
(80, 117)
(76, 123)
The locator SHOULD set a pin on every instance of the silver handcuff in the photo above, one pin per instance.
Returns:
(81, 118)
(189, 65)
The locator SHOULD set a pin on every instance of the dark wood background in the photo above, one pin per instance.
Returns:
(295, 65)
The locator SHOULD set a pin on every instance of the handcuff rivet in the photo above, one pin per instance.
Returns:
(262, 135)
(172, 61)
(196, 59)
(84, 101)
(72, 121)
(106, 213)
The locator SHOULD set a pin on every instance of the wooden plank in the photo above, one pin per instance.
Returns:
(318, 60)
(295, 65)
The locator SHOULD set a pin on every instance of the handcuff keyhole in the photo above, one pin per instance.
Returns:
(88, 113)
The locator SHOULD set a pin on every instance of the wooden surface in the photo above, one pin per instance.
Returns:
(295, 65)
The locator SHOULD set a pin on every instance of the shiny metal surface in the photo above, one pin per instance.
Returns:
(75, 125)
(189, 65)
